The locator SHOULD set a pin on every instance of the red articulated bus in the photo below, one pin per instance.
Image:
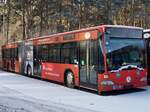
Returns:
(147, 41)
(102, 58)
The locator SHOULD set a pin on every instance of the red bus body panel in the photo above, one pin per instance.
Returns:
(55, 71)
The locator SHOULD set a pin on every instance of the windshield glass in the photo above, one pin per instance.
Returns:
(101, 67)
(125, 50)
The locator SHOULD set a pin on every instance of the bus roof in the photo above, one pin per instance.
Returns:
(78, 31)
(65, 33)
(85, 29)
(123, 26)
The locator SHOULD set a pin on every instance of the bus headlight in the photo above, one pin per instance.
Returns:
(143, 79)
(107, 83)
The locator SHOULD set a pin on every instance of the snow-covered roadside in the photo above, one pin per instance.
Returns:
(34, 94)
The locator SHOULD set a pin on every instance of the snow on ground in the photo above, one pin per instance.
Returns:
(23, 94)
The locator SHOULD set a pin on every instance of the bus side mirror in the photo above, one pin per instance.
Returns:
(75, 61)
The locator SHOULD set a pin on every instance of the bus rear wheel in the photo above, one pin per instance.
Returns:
(29, 71)
(69, 80)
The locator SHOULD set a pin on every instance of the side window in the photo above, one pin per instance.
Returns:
(54, 53)
(35, 52)
(69, 53)
(16, 52)
(2, 53)
(44, 52)
(5, 50)
(50, 53)
(65, 55)
(12, 53)
(8, 53)
(74, 55)
(41, 52)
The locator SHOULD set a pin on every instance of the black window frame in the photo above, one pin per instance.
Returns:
(101, 61)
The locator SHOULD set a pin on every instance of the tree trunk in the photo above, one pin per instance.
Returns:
(8, 20)
(23, 20)
(41, 16)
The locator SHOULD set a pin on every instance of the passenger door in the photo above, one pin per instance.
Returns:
(87, 64)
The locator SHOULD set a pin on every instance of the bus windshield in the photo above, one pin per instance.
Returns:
(123, 52)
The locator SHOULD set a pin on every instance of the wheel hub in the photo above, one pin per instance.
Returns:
(70, 78)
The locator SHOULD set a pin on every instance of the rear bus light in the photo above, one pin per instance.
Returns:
(107, 83)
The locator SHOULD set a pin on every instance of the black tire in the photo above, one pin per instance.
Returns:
(69, 79)
(29, 71)
(37, 68)
(103, 93)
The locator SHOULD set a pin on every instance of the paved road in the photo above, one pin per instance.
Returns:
(23, 94)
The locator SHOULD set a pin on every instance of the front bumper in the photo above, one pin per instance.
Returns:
(105, 88)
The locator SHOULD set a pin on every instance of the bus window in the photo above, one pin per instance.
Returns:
(16, 53)
(44, 52)
(69, 53)
(35, 52)
(54, 53)
(8, 53)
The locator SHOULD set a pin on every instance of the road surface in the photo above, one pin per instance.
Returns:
(23, 94)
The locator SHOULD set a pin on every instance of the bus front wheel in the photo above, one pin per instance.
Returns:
(69, 79)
